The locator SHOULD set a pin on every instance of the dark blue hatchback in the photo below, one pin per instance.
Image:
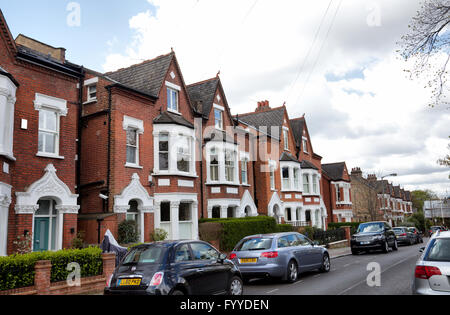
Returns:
(175, 268)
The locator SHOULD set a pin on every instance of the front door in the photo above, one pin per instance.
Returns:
(41, 234)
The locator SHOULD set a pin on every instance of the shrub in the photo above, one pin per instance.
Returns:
(127, 232)
(78, 242)
(284, 228)
(17, 271)
(159, 235)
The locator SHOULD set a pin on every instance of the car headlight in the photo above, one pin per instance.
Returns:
(378, 237)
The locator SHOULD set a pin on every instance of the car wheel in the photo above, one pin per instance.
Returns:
(236, 286)
(395, 247)
(177, 292)
(386, 247)
(355, 252)
(326, 265)
(292, 272)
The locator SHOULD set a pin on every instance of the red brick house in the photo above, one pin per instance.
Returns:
(140, 163)
(39, 108)
(226, 163)
(311, 163)
(283, 174)
(336, 185)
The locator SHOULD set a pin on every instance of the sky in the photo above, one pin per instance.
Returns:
(335, 61)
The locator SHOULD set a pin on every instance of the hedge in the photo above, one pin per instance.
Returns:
(17, 271)
(235, 229)
(354, 226)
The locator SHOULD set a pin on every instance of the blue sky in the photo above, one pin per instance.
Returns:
(101, 21)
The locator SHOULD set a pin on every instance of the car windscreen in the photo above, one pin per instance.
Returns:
(439, 250)
(371, 228)
(398, 230)
(257, 243)
(145, 255)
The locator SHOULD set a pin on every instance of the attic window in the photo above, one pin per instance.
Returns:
(305, 145)
(172, 100)
(218, 116)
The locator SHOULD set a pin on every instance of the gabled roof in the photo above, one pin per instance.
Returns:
(7, 34)
(202, 95)
(147, 77)
(287, 157)
(268, 118)
(335, 171)
(298, 126)
(170, 118)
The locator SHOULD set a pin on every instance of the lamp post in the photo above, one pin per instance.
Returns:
(382, 185)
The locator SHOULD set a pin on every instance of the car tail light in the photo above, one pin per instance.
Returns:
(426, 272)
(108, 283)
(157, 279)
(270, 255)
(404, 234)
(232, 256)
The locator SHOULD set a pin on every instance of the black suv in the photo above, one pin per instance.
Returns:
(175, 268)
(374, 236)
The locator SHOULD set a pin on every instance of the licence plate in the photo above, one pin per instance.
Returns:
(365, 243)
(130, 282)
(249, 261)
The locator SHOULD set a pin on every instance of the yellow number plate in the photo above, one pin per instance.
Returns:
(249, 261)
(130, 282)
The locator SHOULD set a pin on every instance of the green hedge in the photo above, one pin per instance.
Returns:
(17, 271)
(354, 226)
(235, 229)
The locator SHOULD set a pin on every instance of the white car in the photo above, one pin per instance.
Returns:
(432, 274)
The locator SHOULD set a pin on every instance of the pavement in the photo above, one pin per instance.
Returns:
(339, 252)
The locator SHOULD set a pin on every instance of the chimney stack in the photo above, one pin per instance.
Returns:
(357, 172)
(263, 106)
(44, 49)
(372, 178)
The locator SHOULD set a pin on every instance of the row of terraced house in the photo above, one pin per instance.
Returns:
(84, 151)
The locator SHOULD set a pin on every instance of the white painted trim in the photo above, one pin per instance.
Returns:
(219, 107)
(91, 81)
(173, 86)
(50, 102)
(5, 201)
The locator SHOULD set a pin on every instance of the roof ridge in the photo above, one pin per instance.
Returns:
(202, 82)
(139, 64)
(265, 111)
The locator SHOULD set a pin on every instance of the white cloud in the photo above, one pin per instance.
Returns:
(371, 115)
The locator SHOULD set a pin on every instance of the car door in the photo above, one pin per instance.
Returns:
(303, 252)
(213, 273)
(389, 234)
(187, 269)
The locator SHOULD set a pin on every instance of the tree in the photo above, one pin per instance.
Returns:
(420, 196)
(427, 44)
(445, 161)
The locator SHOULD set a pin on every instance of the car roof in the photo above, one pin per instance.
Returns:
(271, 235)
(445, 234)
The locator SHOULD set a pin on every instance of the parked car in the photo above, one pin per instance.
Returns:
(418, 235)
(281, 255)
(374, 236)
(405, 236)
(432, 271)
(175, 268)
(436, 228)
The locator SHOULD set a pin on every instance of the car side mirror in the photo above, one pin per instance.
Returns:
(315, 243)
(222, 258)
(422, 249)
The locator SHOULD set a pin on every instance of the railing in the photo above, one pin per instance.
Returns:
(330, 236)
(299, 223)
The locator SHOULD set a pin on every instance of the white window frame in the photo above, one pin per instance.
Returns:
(213, 152)
(89, 98)
(305, 145)
(171, 88)
(138, 126)
(244, 171)
(55, 133)
(272, 177)
(136, 147)
(220, 125)
(232, 166)
(187, 154)
(59, 106)
(7, 104)
(296, 178)
(286, 139)
(286, 182)
(306, 184)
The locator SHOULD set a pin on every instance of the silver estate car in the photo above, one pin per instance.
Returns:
(432, 274)
(282, 255)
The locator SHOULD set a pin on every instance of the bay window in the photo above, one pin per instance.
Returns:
(214, 165)
(229, 166)
(306, 189)
(184, 154)
(285, 178)
(296, 179)
(164, 152)
(315, 190)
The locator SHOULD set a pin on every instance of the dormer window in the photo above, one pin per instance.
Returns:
(92, 93)
(172, 100)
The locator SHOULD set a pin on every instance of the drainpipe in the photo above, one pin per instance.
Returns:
(108, 180)
(80, 113)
